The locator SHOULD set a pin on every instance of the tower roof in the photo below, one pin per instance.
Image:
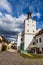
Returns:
(29, 15)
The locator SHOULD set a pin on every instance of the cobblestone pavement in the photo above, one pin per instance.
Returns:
(14, 58)
(12, 50)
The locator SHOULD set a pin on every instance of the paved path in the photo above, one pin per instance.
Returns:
(12, 50)
(14, 58)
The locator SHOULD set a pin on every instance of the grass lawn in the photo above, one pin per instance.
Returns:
(31, 56)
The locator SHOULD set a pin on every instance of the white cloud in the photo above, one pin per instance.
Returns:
(12, 39)
(8, 22)
(1, 14)
(36, 14)
(21, 18)
(4, 4)
(18, 29)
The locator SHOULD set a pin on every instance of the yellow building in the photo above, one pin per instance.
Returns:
(3, 43)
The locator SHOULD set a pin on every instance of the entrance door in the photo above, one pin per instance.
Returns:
(22, 47)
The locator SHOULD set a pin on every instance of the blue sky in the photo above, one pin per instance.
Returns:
(13, 13)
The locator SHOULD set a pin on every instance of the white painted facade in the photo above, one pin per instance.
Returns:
(19, 41)
(30, 29)
(40, 44)
(28, 35)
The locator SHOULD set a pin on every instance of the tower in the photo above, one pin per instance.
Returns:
(29, 31)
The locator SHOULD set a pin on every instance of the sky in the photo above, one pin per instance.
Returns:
(13, 13)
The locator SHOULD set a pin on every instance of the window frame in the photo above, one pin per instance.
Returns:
(33, 43)
(27, 30)
(36, 40)
(40, 40)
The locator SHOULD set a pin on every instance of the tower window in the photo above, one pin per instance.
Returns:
(27, 30)
(28, 24)
(33, 24)
(33, 31)
(32, 21)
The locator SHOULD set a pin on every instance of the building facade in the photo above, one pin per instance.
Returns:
(27, 39)
(29, 31)
(19, 41)
(3, 43)
(39, 40)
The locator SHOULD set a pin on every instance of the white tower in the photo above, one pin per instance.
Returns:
(29, 31)
(19, 41)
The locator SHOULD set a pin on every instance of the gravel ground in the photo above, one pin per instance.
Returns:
(14, 58)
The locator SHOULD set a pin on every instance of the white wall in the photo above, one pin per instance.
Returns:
(40, 44)
(19, 41)
(29, 26)
(28, 36)
(28, 40)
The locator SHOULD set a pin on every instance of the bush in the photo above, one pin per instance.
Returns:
(4, 48)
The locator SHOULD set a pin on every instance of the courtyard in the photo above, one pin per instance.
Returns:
(14, 58)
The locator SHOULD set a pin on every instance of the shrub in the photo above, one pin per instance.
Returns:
(4, 48)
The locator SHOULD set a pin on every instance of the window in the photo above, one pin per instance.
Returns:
(33, 43)
(27, 30)
(36, 40)
(42, 49)
(33, 31)
(33, 24)
(40, 40)
(32, 21)
(28, 20)
(21, 39)
(28, 24)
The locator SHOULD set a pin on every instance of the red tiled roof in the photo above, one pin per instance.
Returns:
(40, 32)
(4, 39)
